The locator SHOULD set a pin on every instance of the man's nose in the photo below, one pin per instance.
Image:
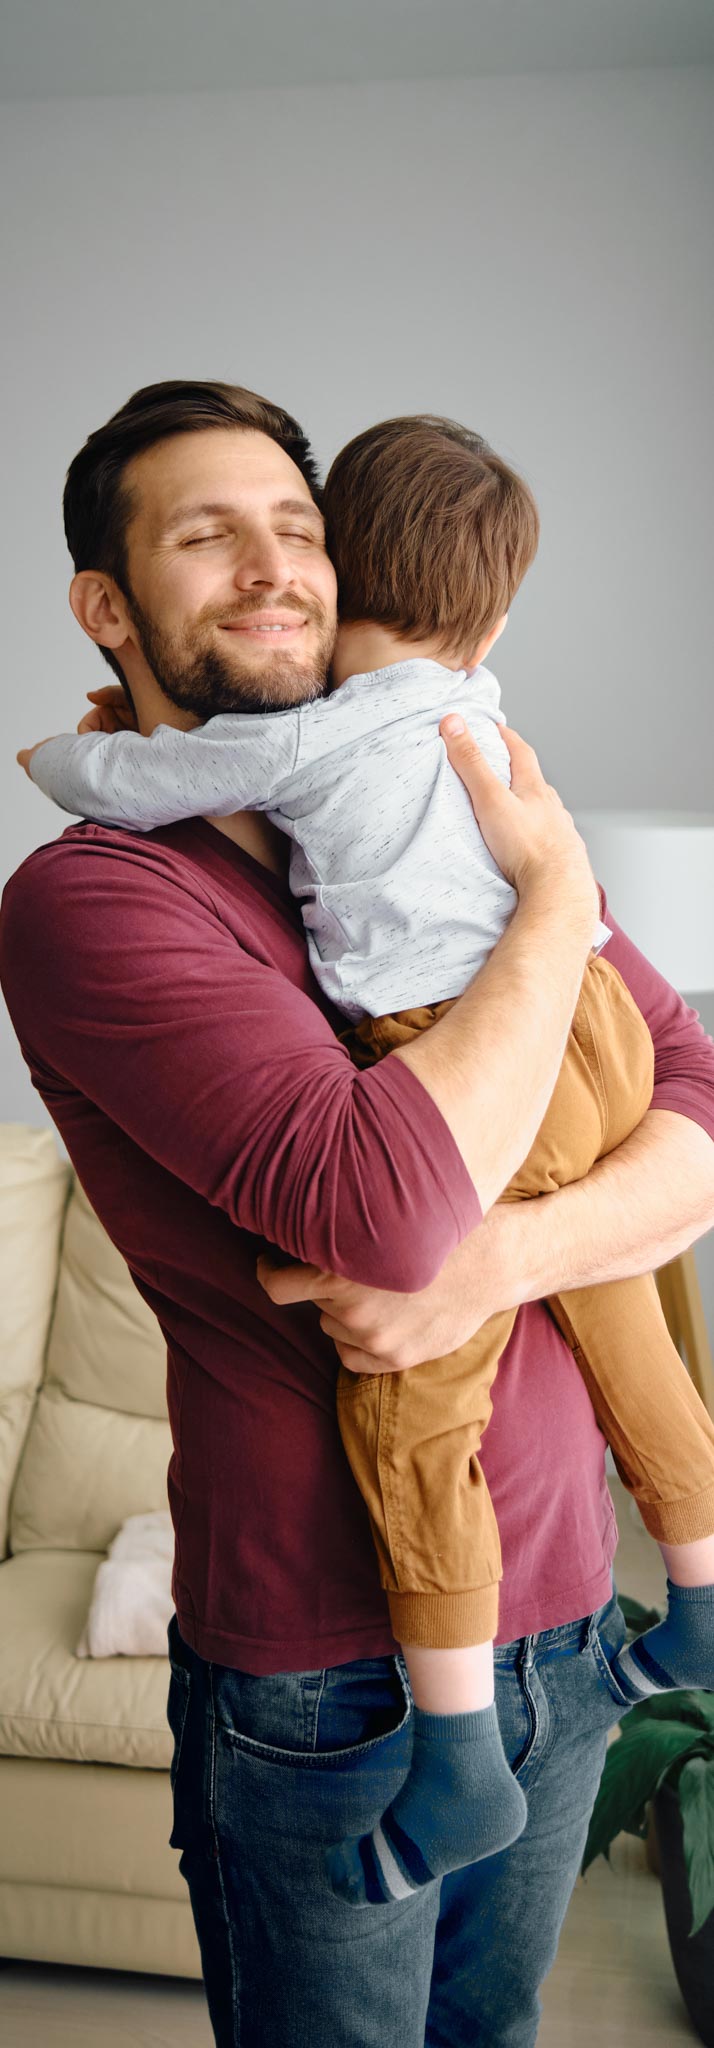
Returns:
(263, 560)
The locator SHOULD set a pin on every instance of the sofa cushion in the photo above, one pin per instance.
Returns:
(99, 1444)
(53, 1704)
(34, 1184)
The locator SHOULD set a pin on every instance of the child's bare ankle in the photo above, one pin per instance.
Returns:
(690, 1564)
(451, 1681)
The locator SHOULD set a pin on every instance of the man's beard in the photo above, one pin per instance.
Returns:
(195, 676)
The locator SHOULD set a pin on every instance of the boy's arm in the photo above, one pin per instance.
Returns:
(125, 779)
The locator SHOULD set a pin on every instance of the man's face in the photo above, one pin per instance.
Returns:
(232, 597)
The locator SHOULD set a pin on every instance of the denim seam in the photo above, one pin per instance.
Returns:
(606, 1672)
(183, 1680)
(219, 1865)
(316, 1704)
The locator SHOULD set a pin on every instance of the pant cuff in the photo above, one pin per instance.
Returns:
(679, 1521)
(444, 1621)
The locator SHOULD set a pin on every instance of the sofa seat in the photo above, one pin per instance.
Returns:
(109, 1710)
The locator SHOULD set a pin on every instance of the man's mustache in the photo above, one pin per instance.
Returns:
(309, 608)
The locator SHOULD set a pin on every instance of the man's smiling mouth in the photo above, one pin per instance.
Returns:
(265, 626)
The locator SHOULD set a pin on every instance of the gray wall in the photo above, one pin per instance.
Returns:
(525, 254)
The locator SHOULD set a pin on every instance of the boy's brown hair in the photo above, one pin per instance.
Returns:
(430, 532)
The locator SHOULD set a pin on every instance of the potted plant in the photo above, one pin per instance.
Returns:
(663, 1763)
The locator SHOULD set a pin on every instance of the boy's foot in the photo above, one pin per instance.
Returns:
(459, 1803)
(678, 1652)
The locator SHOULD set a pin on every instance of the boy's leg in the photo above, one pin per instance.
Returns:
(660, 1433)
(412, 1441)
(267, 1773)
(500, 1920)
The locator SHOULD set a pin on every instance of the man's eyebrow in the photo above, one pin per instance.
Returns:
(304, 507)
(221, 510)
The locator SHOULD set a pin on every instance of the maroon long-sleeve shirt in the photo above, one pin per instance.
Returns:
(160, 989)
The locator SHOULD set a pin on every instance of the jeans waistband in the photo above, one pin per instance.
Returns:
(566, 1641)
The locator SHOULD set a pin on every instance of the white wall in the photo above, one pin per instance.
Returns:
(528, 255)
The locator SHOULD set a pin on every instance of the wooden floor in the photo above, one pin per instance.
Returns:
(612, 1986)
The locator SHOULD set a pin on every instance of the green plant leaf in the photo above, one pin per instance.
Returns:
(696, 1800)
(646, 1752)
(687, 1708)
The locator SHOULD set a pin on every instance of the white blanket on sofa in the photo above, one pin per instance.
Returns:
(131, 1602)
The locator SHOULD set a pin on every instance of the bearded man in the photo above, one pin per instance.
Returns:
(160, 989)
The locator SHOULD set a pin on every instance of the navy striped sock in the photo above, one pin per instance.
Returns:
(678, 1652)
(459, 1803)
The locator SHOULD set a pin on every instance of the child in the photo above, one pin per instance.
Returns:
(431, 535)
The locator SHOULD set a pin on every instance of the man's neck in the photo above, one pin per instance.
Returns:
(256, 835)
(360, 649)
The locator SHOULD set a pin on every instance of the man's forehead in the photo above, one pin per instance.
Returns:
(218, 468)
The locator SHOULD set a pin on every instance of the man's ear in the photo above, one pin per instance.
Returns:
(99, 608)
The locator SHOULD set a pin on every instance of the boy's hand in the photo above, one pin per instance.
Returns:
(532, 837)
(112, 712)
(25, 755)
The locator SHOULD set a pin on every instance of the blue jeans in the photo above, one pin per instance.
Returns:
(268, 1772)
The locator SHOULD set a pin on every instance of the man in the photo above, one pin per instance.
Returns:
(161, 993)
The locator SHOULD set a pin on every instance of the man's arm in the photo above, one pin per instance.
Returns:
(125, 985)
(128, 991)
(639, 1207)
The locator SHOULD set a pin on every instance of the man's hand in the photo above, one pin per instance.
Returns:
(637, 1208)
(112, 711)
(379, 1332)
(532, 837)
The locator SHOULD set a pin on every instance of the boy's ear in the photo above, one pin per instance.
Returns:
(485, 645)
(99, 607)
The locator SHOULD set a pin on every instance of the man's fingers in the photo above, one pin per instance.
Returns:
(286, 1284)
(340, 1332)
(93, 721)
(363, 1361)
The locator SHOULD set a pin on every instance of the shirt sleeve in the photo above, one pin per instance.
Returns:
(684, 1053)
(126, 779)
(128, 991)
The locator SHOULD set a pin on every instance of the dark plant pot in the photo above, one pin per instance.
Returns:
(693, 1958)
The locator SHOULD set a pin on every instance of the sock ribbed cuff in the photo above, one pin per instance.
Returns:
(696, 1596)
(481, 1725)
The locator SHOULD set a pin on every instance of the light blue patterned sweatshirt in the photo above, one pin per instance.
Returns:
(401, 899)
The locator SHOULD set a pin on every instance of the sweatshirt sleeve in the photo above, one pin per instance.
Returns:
(124, 779)
(684, 1053)
(127, 991)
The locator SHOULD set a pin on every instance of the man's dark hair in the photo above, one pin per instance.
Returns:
(98, 504)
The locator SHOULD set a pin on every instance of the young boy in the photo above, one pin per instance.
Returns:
(431, 535)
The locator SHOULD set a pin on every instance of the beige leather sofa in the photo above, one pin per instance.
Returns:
(86, 1873)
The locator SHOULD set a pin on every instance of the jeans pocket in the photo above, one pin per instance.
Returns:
(302, 1720)
(608, 1637)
